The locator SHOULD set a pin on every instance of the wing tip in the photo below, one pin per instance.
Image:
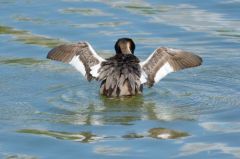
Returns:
(60, 54)
(199, 60)
(50, 54)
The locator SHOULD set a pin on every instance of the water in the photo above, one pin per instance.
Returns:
(48, 110)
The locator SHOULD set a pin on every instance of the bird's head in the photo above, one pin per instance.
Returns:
(125, 46)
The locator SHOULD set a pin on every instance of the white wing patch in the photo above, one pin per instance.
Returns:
(163, 71)
(144, 62)
(94, 70)
(143, 78)
(94, 53)
(75, 62)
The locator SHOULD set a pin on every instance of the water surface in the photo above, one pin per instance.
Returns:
(48, 110)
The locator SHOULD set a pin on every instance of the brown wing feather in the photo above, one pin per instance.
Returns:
(167, 60)
(64, 53)
(181, 59)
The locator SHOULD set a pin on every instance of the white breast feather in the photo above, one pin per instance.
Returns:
(163, 71)
(75, 62)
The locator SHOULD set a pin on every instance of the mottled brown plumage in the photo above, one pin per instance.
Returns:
(120, 75)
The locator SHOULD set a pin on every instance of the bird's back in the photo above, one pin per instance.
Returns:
(120, 76)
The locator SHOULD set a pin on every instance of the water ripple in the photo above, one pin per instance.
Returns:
(190, 149)
(84, 11)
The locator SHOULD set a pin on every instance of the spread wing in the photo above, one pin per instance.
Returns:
(81, 56)
(164, 61)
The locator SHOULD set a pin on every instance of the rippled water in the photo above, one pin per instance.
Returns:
(48, 110)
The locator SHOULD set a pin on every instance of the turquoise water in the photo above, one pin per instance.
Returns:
(48, 110)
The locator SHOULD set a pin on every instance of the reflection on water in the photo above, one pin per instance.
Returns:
(154, 41)
(231, 33)
(18, 156)
(77, 110)
(112, 151)
(29, 38)
(158, 133)
(145, 9)
(102, 24)
(84, 11)
(162, 133)
(88, 137)
(133, 136)
(195, 148)
(224, 127)
(190, 114)
(186, 16)
(21, 61)
(84, 137)
(22, 18)
(7, 1)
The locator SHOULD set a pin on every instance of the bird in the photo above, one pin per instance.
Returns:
(123, 74)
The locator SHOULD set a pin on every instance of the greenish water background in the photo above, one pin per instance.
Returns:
(48, 110)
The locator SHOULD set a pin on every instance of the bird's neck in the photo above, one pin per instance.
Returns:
(126, 57)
